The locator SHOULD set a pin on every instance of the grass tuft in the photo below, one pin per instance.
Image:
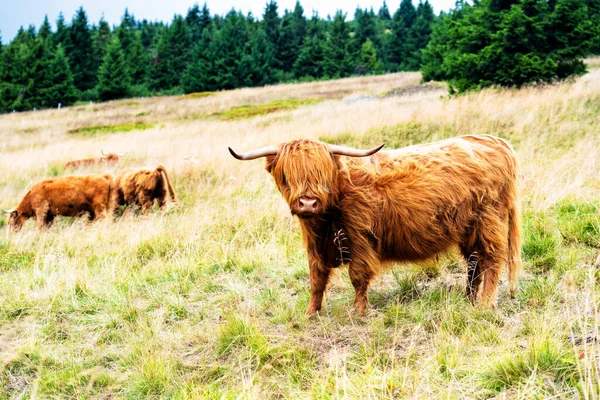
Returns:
(196, 95)
(251, 111)
(87, 131)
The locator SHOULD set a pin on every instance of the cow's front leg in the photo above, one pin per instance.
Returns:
(319, 277)
(360, 276)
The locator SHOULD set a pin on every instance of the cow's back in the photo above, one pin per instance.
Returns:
(71, 195)
(430, 194)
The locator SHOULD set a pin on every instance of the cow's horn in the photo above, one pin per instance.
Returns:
(122, 154)
(258, 153)
(102, 151)
(349, 151)
(8, 211)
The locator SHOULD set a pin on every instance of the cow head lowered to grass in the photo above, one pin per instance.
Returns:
(364, 208)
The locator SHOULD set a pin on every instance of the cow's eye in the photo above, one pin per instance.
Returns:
(283, 180)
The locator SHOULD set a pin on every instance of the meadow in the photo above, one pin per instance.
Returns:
(207, 299)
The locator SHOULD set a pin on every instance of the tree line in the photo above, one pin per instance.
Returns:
(511, 43)
(79, 61)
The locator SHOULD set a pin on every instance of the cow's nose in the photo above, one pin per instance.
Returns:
(308, 205)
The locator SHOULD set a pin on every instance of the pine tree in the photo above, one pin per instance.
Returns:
(59, 86)
(114, 78)
(138, 59)
(231, 44)
(45, 31)
(491, 43)
(299, 25)
(80, 52)
(100, 39)
(310, 57)
(200, 74)
(337, 62)
(62, 35)
(193, 21)
(418, 37)
(287, 50)
(271, 22)
(172, 55)
(384, 13)
(368, 58)
(262, 60)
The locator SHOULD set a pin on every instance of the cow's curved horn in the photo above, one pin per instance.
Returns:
(352, 152)
(9, 211)
(102, 151)
(258, 153)
(122, 154)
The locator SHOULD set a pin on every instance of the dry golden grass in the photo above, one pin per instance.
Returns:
(208, 300)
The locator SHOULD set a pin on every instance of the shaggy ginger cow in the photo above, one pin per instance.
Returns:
(401, 205)
(106, 159)
(69, 196)
(142, 187)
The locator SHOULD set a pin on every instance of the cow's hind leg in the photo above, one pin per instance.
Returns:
(493, 236)
(474, 275)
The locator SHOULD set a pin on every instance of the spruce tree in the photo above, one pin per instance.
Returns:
(262, 60)
(193, 21)
(80, 52)
(418, 37)
(337, 62)
(231, 45)
(310, 57)
(172, 55)
(271, 22)
(45, 31)
(494, 43)
(100, 39)
(200, 74)
(138, 59)
(287, 46)
(384, 13)
(114, 78)
(59, 86)
(299, 24)
(62, 35)
(368, 58)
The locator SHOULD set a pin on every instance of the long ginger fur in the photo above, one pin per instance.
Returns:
(406, 205)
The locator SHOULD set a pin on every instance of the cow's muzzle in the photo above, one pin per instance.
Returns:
(306, 207)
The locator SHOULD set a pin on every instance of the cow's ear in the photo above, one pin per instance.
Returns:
(270, 163)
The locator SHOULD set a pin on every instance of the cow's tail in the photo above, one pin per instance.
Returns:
(514, 238)
(162, 170)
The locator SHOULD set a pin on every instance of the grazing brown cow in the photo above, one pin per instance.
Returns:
(401, 205)
(106, 159)
(68, 196)
(142, 187)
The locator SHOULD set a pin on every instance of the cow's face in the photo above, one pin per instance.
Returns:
(306, 175)
(110, 158)
(16, 221)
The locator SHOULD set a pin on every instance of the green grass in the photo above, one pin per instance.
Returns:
(251, 111)
(196, 95)
(87, 131)
(208, 300)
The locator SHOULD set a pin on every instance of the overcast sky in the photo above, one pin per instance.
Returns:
(16, 13)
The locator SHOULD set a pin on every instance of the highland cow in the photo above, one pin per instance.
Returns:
(404, 205)
(106, 159)
(142, 187)
(69, 196)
